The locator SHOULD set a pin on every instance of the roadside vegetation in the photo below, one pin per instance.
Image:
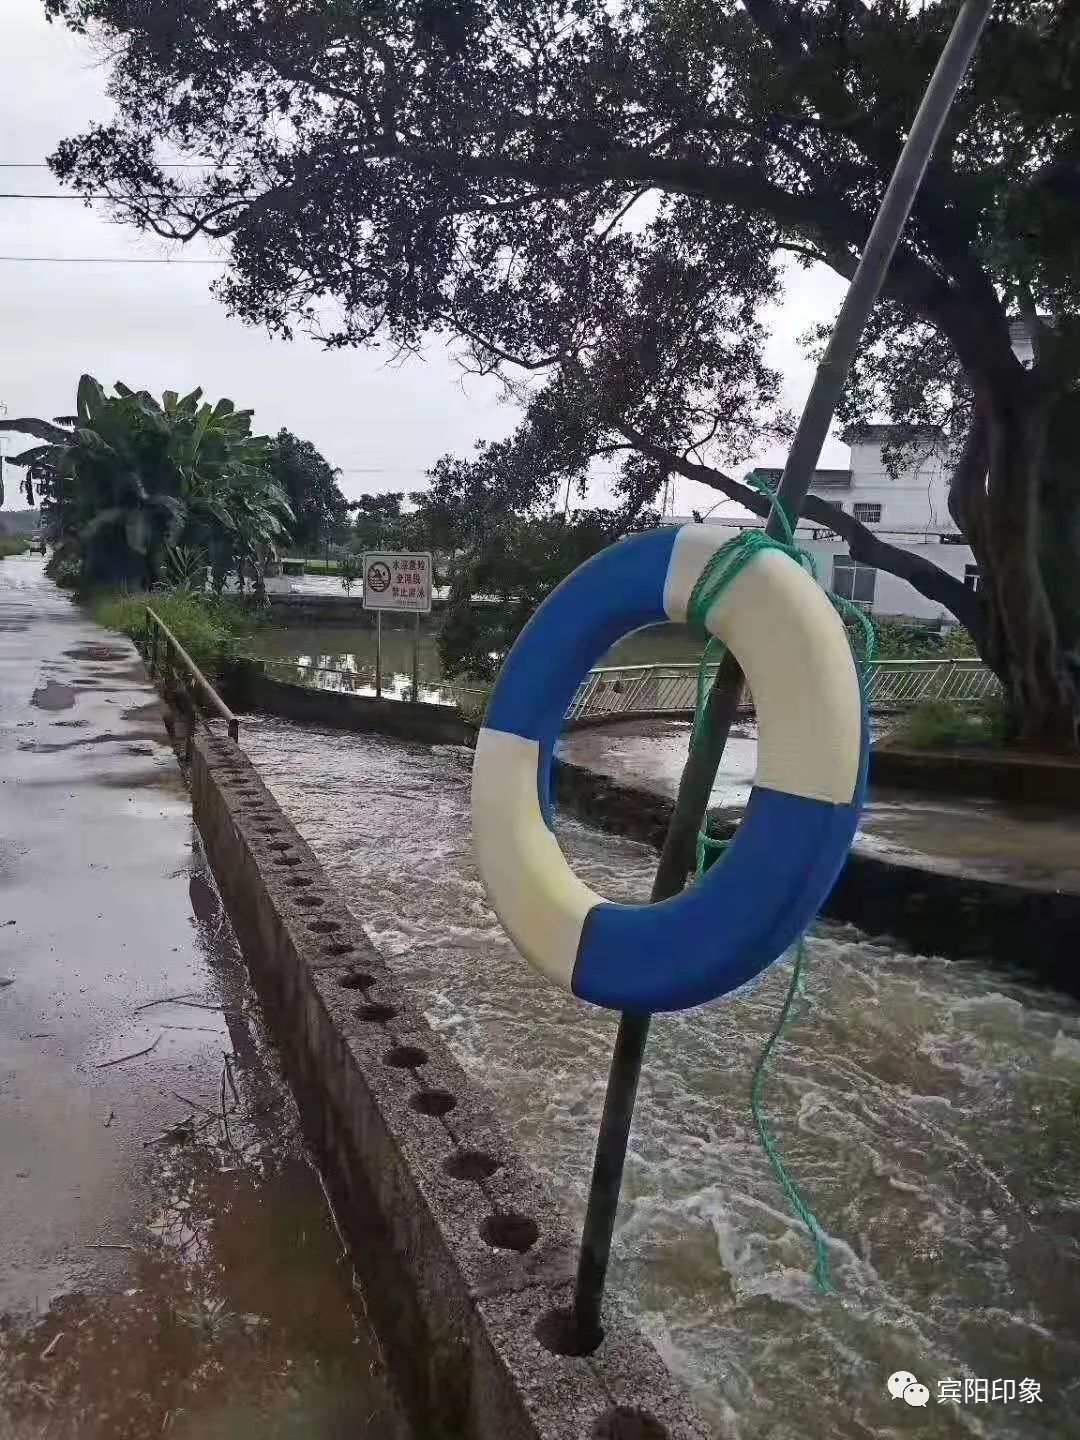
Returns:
(140, 492)
(213, 631)
(13, 545)
(941, 723)
(908, 640)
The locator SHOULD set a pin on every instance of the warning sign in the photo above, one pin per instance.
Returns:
(397, 580)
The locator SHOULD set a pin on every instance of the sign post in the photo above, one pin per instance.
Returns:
(399, 581)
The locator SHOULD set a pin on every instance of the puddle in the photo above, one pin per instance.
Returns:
(134, 742)
(152, 710)
(241, 1323)
(54, 696)
(97, 652)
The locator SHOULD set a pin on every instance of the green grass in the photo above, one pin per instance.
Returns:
(313, 567)
(13, 545)
(211, 631)
(940, 723)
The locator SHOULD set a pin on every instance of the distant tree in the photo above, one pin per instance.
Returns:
(504, 538)
(320, 510)
(378, 520)
(128, 479)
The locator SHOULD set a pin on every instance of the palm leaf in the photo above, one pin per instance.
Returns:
(89, 399)
(42, 429)
(102, 521)
(32, 457)
(137, 530)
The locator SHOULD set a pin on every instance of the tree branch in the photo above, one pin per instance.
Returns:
(863, 544)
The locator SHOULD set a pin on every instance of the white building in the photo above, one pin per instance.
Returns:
(910, 511)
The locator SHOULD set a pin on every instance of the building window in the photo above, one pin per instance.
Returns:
(852, 581)
(863, 510)
(972, 578)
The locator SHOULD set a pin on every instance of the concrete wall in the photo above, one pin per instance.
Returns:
(464, 1258)
(434, 724)
(893, 596)
(916, 498)
(293, 609)
(980, 774)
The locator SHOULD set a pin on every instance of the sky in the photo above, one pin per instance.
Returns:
(158, 326)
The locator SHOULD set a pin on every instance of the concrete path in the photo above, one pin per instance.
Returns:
(1035, 846)
(167, 1264)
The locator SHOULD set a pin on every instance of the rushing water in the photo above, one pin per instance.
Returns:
(930, 1109)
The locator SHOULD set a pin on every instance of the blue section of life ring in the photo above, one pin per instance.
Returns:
(801, 817)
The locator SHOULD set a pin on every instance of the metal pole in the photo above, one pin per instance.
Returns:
(676, 859)
(416, 660)
(378, 654)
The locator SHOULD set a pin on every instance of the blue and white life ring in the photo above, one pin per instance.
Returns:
(799, 821)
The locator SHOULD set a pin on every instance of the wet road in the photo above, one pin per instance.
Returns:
(167, 1263)
(930, 1109)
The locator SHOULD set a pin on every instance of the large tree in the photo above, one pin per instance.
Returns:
(509, 170)
(320, 510)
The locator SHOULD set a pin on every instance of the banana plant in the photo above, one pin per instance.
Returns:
(128, 479)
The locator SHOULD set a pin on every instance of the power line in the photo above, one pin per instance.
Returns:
(165, 165)
(100, 260)
(113, 199)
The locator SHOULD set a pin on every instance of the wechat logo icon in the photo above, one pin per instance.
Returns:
(903, 1385)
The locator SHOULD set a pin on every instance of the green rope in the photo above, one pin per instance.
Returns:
(721, 569)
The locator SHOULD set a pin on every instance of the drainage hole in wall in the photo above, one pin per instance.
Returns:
(510, 1232)
(379, 1014)
(310, 902)
(287, 860)
(298, 882)
(324, 927)
(557, 1332)
(279, 845)
(432, 1102)
(627, 1422)
(406, 1057)
(470, 1165)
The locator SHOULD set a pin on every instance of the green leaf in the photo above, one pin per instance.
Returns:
(89, 399)
(223, 407)
(103, 520)
(91, 439)
(34, 456)
(42, 429)
(137, 528)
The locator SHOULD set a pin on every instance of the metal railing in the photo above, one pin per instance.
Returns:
(168, 658)
(671, 689)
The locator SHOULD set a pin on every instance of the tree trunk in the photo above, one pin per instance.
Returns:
(1016, 498)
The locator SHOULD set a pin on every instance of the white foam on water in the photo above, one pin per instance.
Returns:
(928, 1109)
